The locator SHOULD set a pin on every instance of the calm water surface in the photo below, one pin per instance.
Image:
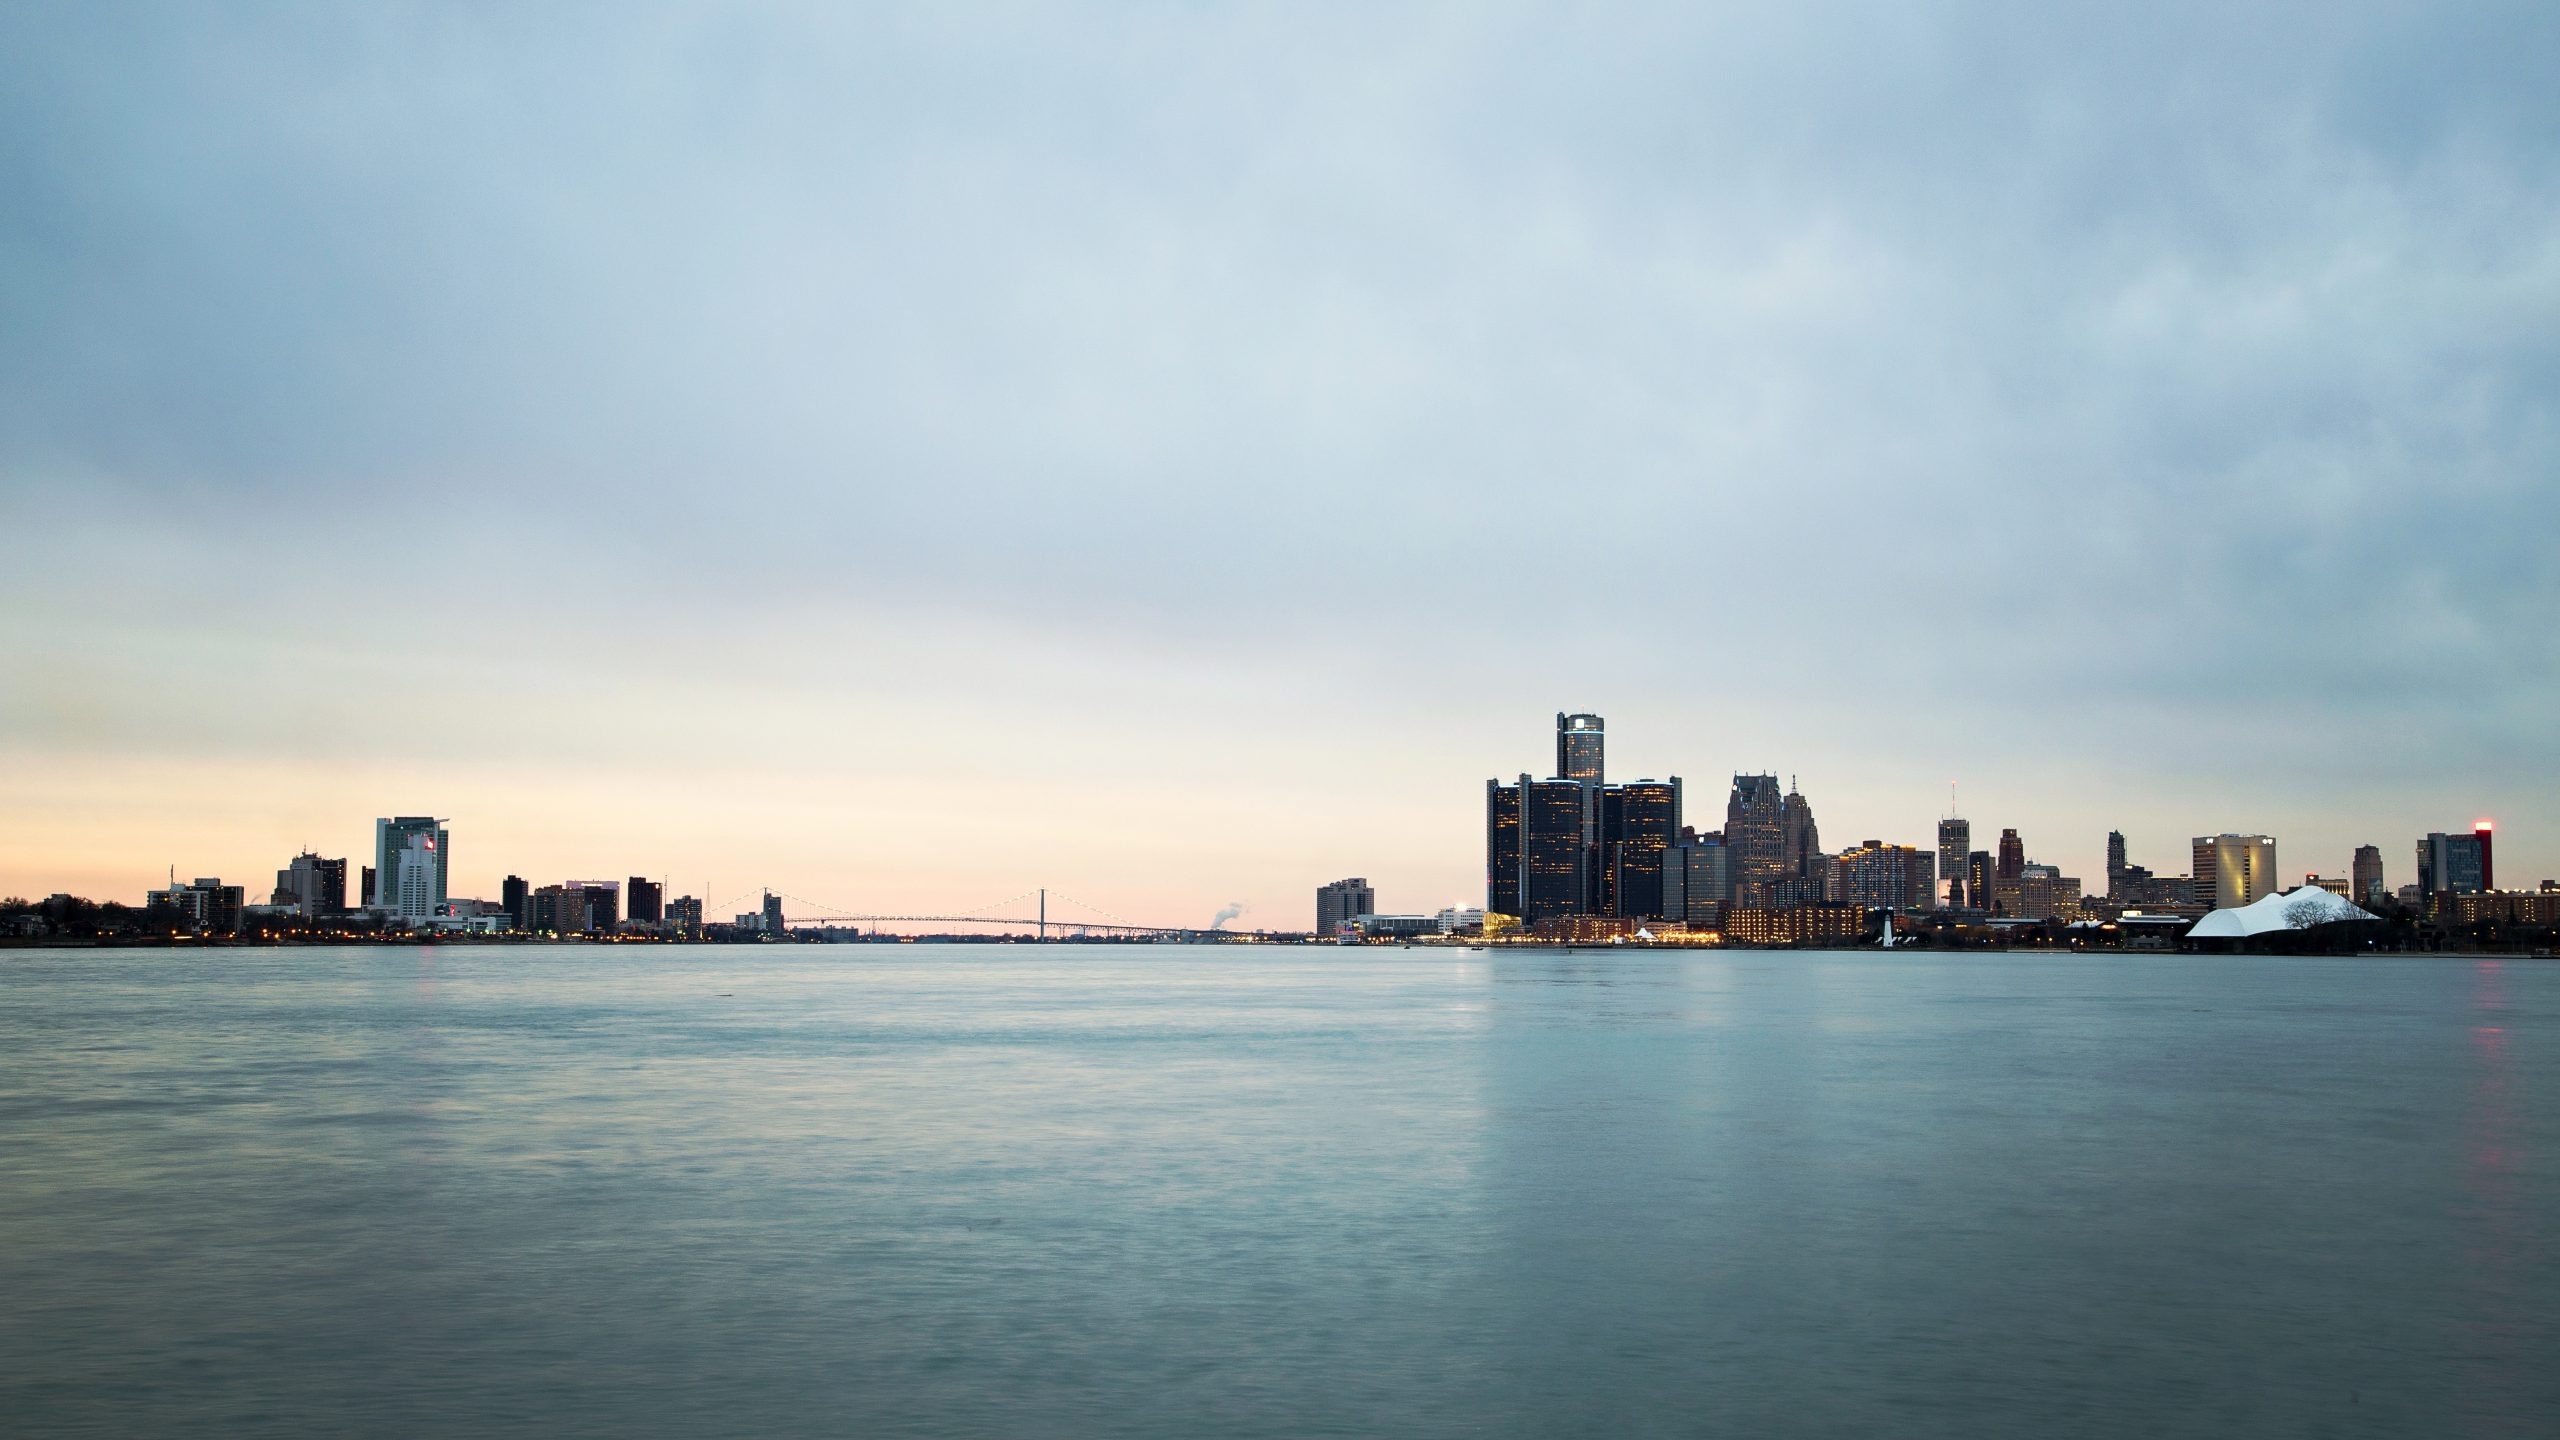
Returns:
(1188, 1192)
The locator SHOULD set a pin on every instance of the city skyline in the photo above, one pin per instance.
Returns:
(821, 447)
(1603, 882)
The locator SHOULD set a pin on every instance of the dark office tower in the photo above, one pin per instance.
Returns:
(2013, 856)
(2456, 864)
(1955, 841)
(773, 922)
(2364, 878)
(1579, 742)
(1558, 828)
(2115, 865)
(1799, 842)
(1977, 879)
(596, 906)
(368, 885)
(643, 900)
(1501, 848)
(516, 899)
(1696, 881)
(1753, 839)
(1342, 902)
(1638, 822)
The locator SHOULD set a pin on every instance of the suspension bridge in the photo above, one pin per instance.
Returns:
(800, 913)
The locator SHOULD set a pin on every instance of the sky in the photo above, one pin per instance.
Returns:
(906, 456)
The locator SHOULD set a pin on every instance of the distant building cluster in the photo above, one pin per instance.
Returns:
(407, 889)
(1574, 857)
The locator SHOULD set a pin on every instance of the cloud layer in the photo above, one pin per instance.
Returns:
(2145, 414)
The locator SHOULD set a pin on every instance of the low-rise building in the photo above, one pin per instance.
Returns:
(1823, 924)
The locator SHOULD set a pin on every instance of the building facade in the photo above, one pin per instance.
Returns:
(645, 900)
(1755, 838)
(2234, 870)
(413, 882)
(1502, 847)
(1795, 925)
(1582, 743)
(1697, 880)
(2364, 878)
(1886, 877)
(684, 917)
(1559, 830)
(1639, 821)
(1955, 842)
(2456, 864)
(391, 837)
(1342, 902)
(313, 886)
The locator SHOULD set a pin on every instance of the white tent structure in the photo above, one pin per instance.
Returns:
(2299, 910)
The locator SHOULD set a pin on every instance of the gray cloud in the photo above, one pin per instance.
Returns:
(2158, 359)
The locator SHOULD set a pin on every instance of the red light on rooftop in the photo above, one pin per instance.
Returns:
(2483, 825)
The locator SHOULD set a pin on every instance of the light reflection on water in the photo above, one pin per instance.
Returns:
(1157, 1191)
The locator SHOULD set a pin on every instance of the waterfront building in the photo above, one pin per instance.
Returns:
(1697, 880)
(1342, 902)
(2013, 856)
(773, 921)
(312, 886)
(2456, 864)
(1755, 837)
(1394, 927)
(556, 910)
(1501, 848)
(1559, 825)
(2511, 907)
(1460, 920)
(370, 885)
(391, 837)
(1638, 822)
(518, 902)
(413, 882)
(1885, 877)
(2116, 866)
(1581, 741)
(1978, 878)
(2364, 878)
(684, 917)
(2234, 870)
(598, 907)
(1590, 929)
(1825, 924)
(1955, 841)
(205, 904)
(644, 900)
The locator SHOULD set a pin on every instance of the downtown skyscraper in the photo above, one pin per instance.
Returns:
(1573, 844)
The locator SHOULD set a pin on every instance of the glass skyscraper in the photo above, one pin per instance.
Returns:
(1955, 842)
(1581, 741)
(1502, 847)
(415, 896)
(1557, 829)
(1638, 822)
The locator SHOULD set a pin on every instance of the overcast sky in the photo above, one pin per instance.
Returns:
(1176, 454)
